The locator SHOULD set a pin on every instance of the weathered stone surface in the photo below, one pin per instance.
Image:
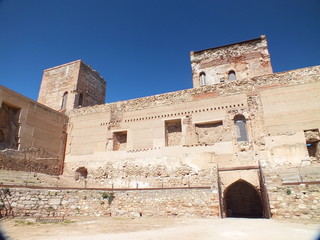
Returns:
(175, 202)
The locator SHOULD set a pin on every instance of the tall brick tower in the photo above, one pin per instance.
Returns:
(232, 62)
(71, 85)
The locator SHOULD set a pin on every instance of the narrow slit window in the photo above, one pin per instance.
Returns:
(80, 103)
(64, 100)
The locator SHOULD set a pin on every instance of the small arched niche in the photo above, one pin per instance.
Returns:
(202, 79)
(232, 75)
(242, 200)
(81, 173)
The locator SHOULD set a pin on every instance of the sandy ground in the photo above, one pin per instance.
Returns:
(160, 229)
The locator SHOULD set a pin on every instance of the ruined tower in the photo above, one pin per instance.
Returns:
(71, 85)
(238, 61)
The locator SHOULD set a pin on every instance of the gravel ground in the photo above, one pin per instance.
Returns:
(160, 229)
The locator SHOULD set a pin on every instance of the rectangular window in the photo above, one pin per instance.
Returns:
(119, 141)
(173, 132)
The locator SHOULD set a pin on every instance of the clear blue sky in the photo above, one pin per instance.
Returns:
(142, 47)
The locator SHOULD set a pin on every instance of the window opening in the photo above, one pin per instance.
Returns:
(80, 102)
(173, 132)
(241, 128)
(202, 79)
(313, 142)
(119, 141)
(232, 75)
(64, 100)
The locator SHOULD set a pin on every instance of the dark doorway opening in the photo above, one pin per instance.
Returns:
(243, 200)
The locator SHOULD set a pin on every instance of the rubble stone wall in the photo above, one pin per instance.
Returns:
(126, 203)
(292, 194)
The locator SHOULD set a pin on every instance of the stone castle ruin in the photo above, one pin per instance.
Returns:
(243, 142)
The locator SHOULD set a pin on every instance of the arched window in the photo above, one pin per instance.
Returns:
(241, 128)
(232, 75)
(202, 79)
(64, 100)
(80, 102)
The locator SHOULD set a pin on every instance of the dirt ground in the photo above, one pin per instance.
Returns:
(159, 229)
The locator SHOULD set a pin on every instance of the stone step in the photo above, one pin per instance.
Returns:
(19, 178)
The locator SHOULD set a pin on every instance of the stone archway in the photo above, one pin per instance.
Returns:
(242, 200)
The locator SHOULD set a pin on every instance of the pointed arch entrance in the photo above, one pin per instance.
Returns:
(242, 200)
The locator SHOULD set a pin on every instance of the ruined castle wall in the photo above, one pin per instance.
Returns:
(247, 59)
(256, 84)
(294, 192)
(142, 125)
(39, 129)
(126, 203)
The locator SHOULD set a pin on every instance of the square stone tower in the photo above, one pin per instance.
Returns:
(71, 85)
(232, 62)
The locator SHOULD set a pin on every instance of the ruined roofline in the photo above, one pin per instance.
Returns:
(287, 78)
(63, 65)
(229, 45)
(73, 62)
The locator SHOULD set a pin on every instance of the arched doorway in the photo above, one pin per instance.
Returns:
(243, 200)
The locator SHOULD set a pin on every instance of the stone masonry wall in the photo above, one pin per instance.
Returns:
(292, 201)
(131, 203)
(294, 77)
(247, 59)
(91, 85)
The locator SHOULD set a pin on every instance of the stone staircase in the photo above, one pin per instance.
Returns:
(19, 178)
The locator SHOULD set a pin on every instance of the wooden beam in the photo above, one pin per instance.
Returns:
(238, 168)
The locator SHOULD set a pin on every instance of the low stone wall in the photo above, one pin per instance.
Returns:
(292, 200)
(31, 160)
(127, 203)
